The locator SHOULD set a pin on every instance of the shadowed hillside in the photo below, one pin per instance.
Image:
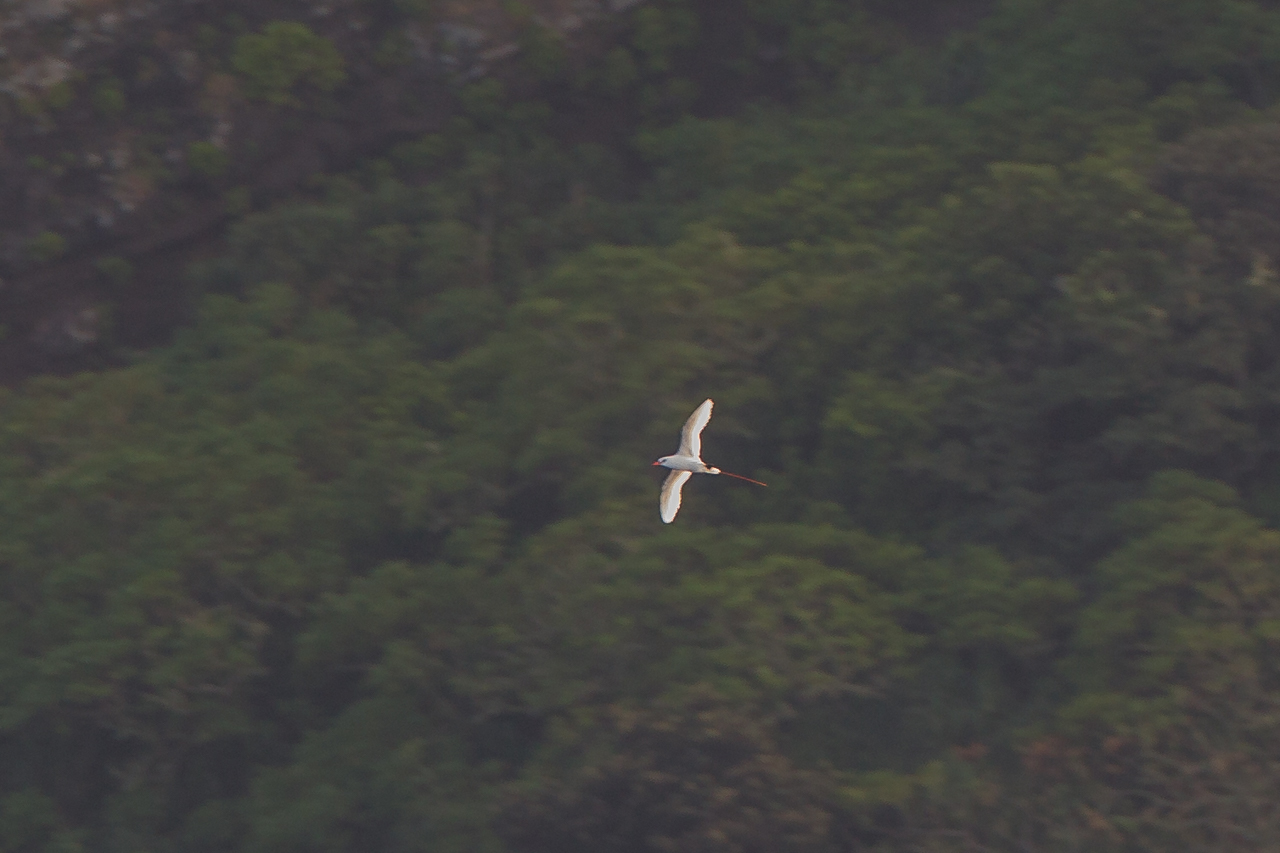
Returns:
(340, 338)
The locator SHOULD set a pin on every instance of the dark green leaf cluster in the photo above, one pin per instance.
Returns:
(285, 54)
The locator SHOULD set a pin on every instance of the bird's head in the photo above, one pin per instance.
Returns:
(662, 461)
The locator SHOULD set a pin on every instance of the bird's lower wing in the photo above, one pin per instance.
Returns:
(691, 435)
(669, 503)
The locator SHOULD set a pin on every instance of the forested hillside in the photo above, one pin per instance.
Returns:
(358, 547)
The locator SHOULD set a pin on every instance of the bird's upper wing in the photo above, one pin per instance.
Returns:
(669, 503)
(691, 435)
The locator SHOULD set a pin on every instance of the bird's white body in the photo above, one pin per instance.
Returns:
(687, 461)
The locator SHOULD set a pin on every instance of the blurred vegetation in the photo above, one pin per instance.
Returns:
(274, 62)
(369, 558)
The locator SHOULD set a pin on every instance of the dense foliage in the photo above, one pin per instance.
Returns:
(369, 557)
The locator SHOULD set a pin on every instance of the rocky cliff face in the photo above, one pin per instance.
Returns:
(131, 130)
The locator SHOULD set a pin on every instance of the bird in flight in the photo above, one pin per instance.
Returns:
(687, 461)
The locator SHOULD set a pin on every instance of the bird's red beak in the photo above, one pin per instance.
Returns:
(657, 463)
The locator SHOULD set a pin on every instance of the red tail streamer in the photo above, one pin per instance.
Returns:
(740, 477)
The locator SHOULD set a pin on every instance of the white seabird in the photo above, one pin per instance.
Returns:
(687, 461)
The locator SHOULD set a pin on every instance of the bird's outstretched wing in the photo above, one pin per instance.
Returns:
(669, 503)
(691, 435)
